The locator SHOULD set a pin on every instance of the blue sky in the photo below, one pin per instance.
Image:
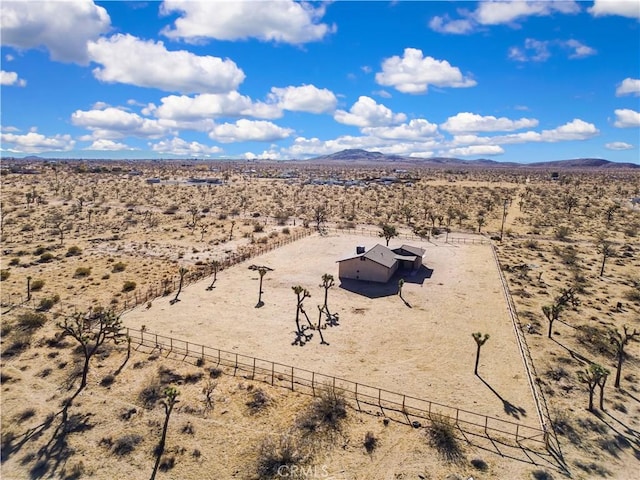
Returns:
(513, 81)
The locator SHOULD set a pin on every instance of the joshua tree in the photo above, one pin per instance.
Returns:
(301, 337)
(553, 311)
(262, 271)
(620, 340)
(400, 285)
(592, 376)
(480, 341)
(91, 330)
(169, 401)
(605, 248)
(215, 265)
(194, 211)
(601, 383)
(182, 271)
(327, 282)
(233, 224)
(388, 232)
(320, 215)
(481, 221)
(57, 221)
(570, 201)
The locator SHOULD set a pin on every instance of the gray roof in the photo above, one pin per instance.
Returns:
(417, 251)
(382, 255)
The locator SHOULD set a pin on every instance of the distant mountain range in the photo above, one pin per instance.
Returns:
(364, 157)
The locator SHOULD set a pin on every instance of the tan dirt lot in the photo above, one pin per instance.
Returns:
(422, 349)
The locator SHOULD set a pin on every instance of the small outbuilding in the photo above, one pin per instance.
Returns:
(380, 263)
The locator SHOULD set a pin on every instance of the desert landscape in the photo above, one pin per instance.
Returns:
(541, 263)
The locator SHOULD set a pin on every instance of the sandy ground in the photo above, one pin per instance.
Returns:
(423, 350)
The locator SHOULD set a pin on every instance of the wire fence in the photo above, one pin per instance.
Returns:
(405, 236)
(396, 406)
(553, 444)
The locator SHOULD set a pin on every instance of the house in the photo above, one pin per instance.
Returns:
(380, 263)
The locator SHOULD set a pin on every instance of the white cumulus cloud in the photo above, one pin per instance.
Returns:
(367, 113)
(179, 146)
(534, 51)
(629, 86)
(130, 60)
(579, 49)
(624, 8)
(626, 118)
(618, 146)
(496, 12)
(108, 145)
(415, 129)
(284, 21)
(445, 24)
(113, 123)
(574, 130)
(477, 150)
(212, 105)
(34, 142)
(249, 130)
(413, 73)
(305, 98)
(63, 28)
(11, 78)
(466, 122)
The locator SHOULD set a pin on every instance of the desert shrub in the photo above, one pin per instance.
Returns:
(36, 285)
(259, 400)
(278, 455)
(77, 471)
(286, 231)
(26, 414)
(47, 303)
(215, 372)
(479, 464)
(442, 437)
(118, 267)
(4, 274)
(126, 444)
(370, 442)
(258, 228)
(31, 321)
(39, 250)
(327, 410)
(562, 232)
(82, 272)
(596, 339)
(541, 475)
(188, 428)
(46, 257)
(14, 262)
(44, 373)
(108, 380)
(151, 393)
(19, 344)
(74, 251)
(128, 286)
(167, 463)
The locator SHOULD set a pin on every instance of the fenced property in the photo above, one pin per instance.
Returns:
(365, 398)
(406, 236)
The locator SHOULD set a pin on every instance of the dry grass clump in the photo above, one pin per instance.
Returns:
(442, 437)
(282, 456)
(327, 411)
(258, 402)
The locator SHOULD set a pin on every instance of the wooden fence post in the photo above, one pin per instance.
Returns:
(273, 368)
(292, 389)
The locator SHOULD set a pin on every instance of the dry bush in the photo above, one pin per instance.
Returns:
(259, 401)
(442, 437)
(278, 456)
(126, 444)
(327, 410)
(31, 321)
(151, 393)
(370, 442)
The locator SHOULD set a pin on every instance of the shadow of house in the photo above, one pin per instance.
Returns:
(377, 289)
